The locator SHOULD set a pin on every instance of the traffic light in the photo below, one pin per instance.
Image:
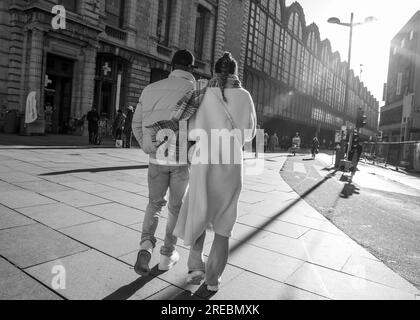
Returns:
(361, 120)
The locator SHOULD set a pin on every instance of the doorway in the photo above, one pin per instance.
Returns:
(57, 94)
(110, 85)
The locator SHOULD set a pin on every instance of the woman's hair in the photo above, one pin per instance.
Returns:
(225, 66)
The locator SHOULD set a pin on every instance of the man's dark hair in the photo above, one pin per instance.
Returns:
(183, 59)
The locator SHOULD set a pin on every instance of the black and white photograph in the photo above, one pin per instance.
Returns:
(209, 154)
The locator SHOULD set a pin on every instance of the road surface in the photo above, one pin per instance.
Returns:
(380, 209)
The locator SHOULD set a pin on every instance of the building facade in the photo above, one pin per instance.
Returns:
(105, 55)
(297, 83)
(110, 50)
(400, 116)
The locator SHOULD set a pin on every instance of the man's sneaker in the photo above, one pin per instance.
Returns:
(214, 288)
(166, 263)
(142, 264)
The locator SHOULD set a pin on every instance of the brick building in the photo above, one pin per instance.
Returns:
(107, 53)
(400, 116)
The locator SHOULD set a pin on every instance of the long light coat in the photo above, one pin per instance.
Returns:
(213, 194)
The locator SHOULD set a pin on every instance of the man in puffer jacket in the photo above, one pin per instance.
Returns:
(157, 102)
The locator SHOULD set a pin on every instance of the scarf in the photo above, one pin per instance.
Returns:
(184, 110)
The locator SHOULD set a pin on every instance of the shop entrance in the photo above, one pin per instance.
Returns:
(57, 94)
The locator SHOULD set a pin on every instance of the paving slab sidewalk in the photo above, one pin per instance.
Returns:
(281, 247)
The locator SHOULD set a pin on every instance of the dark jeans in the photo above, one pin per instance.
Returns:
(127, 139)
(93, 135)
(118, 134)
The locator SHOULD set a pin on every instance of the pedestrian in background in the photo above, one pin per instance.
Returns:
(315, 147)
(296, 141)
(128, 133)
(266, 138)
(93, 119)
(273, 143)
(118, 128)
(102, 127)
(355, 153)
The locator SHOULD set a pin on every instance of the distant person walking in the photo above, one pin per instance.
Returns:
(266, 138)
(355, 153)
(128, 132)
(93, 119)
(102, 126)
(118, 127)
(315, 147)
(296, 141)
(273, 142)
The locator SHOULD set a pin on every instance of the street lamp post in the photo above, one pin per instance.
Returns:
(340, 153)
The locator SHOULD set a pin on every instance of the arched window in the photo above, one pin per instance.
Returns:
(325, 55)
(312, 43)
(295, 26)
(278, 11)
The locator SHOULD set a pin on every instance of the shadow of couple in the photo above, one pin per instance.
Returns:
(129, 290)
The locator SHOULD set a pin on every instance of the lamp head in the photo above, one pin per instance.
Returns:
(370, 19)
(334, 20)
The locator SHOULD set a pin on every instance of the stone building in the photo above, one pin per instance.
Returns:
(400, 116)
(110, 50)
(106, 54)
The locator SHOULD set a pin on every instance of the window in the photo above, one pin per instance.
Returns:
(69, 5)
(114, 10)
(312, 44)
(200, 25)
(395, 50)
(411, 35)
(295, 26)
(399, 83)
(403, 43)
(268, 45)
(164, 21)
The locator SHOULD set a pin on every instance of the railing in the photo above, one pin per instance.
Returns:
(397, 154)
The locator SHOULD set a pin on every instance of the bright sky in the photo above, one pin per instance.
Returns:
(371, 42)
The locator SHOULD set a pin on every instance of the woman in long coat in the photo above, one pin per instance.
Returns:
(216, 174)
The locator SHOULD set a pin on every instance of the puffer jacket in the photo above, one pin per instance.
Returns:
(157, 103)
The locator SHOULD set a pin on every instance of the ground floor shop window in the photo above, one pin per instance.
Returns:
(110, 85)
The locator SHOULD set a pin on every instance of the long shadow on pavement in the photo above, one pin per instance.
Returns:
(273, 218)
(201, 294)
(348, 190)
(96, 170)
(129, 290)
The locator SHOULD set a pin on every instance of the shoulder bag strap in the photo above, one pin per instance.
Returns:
(225, 108)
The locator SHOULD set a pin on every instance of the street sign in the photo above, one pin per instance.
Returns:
(337, 136)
